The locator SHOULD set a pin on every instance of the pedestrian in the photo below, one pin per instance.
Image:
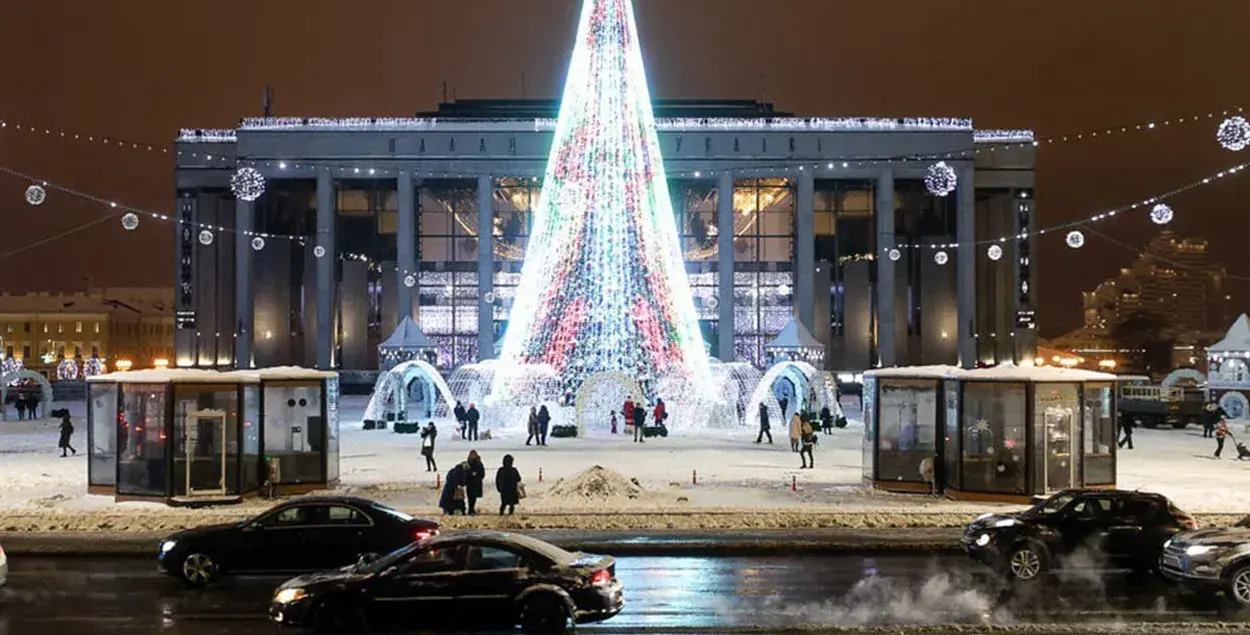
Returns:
(660, 413)
(1221, 431)
(471, 416)
(765, 430)
(67, 431)
(458, 411)
(1211, 415)
(826, 420)
(783, 403)
(627, 410)
(19, 402)
(796, 430)
(640, 419)
(427, 446)
(544, 421)
(531, 426)
(474, 480)
(1127, 423)
(613, 421)
(452, 498)
(808, 442)
(508, 484)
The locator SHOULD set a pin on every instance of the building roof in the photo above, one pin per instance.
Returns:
(793, 337)
(493, 109)
(915, 372)
(407, 337)
(1237, 339)
(175, 376)
(1002, 372)
(136, 301)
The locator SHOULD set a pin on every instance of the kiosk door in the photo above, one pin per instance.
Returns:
(206, 453)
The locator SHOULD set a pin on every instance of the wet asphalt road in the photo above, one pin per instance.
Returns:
(98, 596)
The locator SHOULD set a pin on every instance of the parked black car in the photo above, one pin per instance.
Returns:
(1118, 530)
(1211, 561)
(463, 581)
(305, 534)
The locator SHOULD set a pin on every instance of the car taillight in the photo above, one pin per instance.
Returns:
(601, 578)
(422, 534)
(1187, 522)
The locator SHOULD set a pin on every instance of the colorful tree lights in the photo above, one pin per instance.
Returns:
(604, 287)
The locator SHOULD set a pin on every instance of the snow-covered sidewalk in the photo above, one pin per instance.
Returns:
(715, 478)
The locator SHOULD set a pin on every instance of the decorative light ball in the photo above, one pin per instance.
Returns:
(894, 255)
(410, 281)
(994, 252)
(1161, 214)
(490, 297)
(206, 237)
(35, 195)
(93, 367)
(1075, 239)
(1234, 133)
(319, 251)
(783, 289)
(130, 221)
(940, 179)
(12, 365)
(713, 302)
(247, 184)
(258, 243)
(67, 370)
(941, 257)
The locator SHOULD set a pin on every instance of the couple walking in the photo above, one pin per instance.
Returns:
(540, 419)
(464, 485)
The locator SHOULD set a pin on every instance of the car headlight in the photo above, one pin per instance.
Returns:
(983, 539)
(286, 596)
(1006, 522)
(1167, 543)
(1199, 550)
(167, 545)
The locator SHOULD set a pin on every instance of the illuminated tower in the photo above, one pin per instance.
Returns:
(604, 285)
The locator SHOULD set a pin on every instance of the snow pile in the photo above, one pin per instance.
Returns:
(597, 484)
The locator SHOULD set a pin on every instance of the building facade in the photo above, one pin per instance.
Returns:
(779, 218)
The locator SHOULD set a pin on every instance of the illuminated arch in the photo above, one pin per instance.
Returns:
(801, 373)
(587, 392)
(8, 379)
(1183, 373)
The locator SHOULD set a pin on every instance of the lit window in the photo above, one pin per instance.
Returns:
(78, 327)
(97, 327)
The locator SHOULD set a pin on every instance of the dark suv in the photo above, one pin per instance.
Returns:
(1113, 529)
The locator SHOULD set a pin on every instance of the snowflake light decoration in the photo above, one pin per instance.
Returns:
(258, 243)
(206, 237)
(1234, 134)
(410, 281)
(35, 195)
(489, 297)
(981, 426)
(713, 302)
(940, 179)
(783, 289)
(941, 257)
(247, 184)
(994, 252)
(895, 255)
(1075, 239)
(319, 251)
(130, 221)
(1161, 214)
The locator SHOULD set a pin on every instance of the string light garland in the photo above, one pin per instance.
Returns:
(1234, 133)
(1075, 239)
(940, 179)
(248, 184)
(1161, 214)
(36, 195)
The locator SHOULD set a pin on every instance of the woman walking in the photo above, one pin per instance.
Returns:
(473, 482)
(67, 431)
(808, 441)
(427, 446)
(796, 430)
(508, 484)
(532, 426)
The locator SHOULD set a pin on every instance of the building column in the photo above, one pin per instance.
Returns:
(407, 245)
(186, 300)
(244, 298)
(1024, 321)
(485, 266)
(966, 281)
(325, 270)
(886, 346)
(725, 266)
(805, 251)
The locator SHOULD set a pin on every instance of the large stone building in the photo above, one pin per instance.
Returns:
(779, 215)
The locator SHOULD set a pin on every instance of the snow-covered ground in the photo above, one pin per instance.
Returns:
(734, 474)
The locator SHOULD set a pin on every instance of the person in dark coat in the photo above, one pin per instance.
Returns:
(765, 429)
(67, 431)
(473, 484)
(508, 484)
(784, 403)
(20, 403)
(427, 446)
(826, 420)
(640, 419)
(452, 498)
(471, 416)
(458, 411)
(1211, 415)
(1126, 428)
(544, 420)
(531, 427)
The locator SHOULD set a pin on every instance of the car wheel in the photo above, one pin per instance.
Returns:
(198, 569)
(544, 615)
(1238, 587)
(1026, 563)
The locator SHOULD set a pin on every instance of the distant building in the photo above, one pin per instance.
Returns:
(131, 324)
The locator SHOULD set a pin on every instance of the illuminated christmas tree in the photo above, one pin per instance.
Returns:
(604, 285)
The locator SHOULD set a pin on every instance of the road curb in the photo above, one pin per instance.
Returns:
(672, 543)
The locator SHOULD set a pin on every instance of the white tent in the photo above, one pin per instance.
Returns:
(405, 344)
(1237, 340)
(795, 343)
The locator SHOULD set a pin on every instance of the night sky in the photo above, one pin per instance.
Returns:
(141, 69)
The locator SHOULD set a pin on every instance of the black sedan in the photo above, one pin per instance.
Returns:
(461, 581)
(306, 534)
(1105, 529)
